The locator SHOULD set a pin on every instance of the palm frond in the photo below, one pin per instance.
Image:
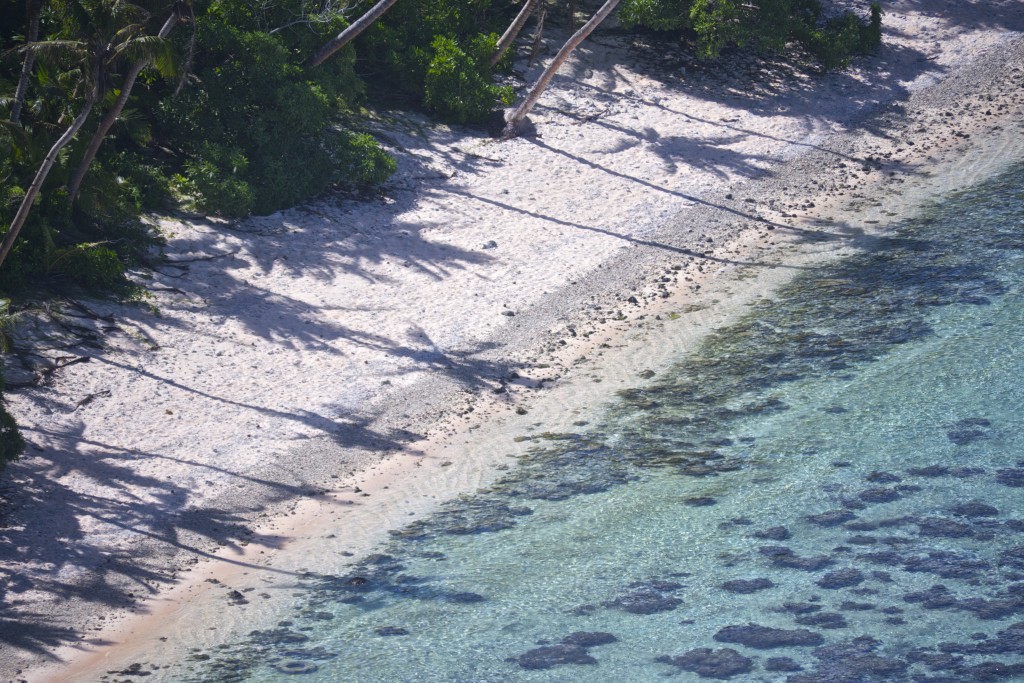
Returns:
(154, 51)
(57, 52)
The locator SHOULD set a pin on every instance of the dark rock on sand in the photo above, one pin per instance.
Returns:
(707, 663)
(1006, 642)
(766, 638)
(841, 578)
(589, 638)
(781, 664)
(799, 607)
(850, 606)
(781, 556)
(648, 598)
(929, 471)
(853, 661)
(946, 564)
(823, 620)
(1011, 476)
(962, 437)
(747, 585)
(936, 597)
(550, 656)
(1012, 557)
(775, 533)
(860, 539)
(944, 528)
(391, 631)
(294, 666)
(879, 495)
(936, 661)
(877, 477)
(975, 508)
(832, 518)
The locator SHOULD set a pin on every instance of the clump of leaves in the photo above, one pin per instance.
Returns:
(11, 443)
(456, 88)
(769, 25)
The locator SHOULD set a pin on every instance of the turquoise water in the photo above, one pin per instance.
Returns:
(829, 490)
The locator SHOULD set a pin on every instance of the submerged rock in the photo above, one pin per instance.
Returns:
(929, 471)
(1012, 557)
(391, 631)
(832, 518)
(781, 556)
(975, 508)
(775, 533)
(648, 597)
(589, 638)
(850, 606)
(550, 656)
(967, 430)
(747, 585)
(944, 528)
(879, 495)
(1011, 476)
(853, 661)
(781, 664)
(721, 664)
(841, 578)
(766, 638)
(936, 597)
(295, 666)
(962, 437)
(878, 477)
(823, 620)
(799, 607)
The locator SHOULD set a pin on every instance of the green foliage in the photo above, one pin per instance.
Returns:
(841, 37)
(455, 89)
(362, 160)
(254, 127)
(425, 51)
(90, 266)
(11, 443)
(769, 25)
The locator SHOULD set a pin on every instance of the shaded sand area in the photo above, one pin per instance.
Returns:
(390, 346)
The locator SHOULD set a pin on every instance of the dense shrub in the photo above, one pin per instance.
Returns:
(253, 126)
(424, 52)
(11, 443)
(455, 89)
(769, 25)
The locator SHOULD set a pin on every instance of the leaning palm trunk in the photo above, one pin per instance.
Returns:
(37, 182)
(349, 34)
(509, 37)
(517, 117)
(33, 8)
(112, 114)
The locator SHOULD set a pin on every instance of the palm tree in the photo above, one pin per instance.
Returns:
(515, 121)
(507, 38)
(350, 33)
(32, 11)
(145, 51)
(98, 32)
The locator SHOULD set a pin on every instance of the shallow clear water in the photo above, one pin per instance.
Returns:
(845, 465)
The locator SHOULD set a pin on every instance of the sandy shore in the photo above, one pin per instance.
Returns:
(395, 343)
